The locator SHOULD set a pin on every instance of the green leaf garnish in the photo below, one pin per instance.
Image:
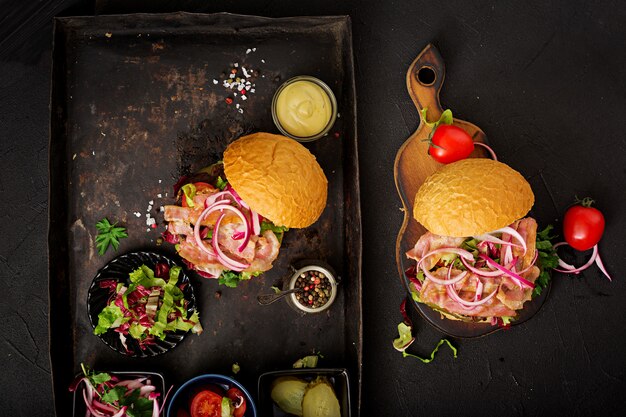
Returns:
(278, 230)
(432, 354)
(108, 235)
(405, 337)
(232, 278)
(547, 259)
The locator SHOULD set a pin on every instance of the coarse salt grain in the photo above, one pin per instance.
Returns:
(215, 81)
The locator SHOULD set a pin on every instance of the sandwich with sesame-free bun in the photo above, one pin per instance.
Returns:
(481, 258)
(229, 219)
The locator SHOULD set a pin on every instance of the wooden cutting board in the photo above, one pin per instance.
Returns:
(413, 165)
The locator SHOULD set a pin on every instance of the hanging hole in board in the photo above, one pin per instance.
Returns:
(426, 76)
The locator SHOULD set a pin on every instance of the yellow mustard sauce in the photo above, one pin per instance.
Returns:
(303, 108)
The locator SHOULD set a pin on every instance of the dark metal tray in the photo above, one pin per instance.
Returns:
(134, 106)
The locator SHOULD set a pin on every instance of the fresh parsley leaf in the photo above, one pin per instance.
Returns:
(114, 394)
(221, 183)
(108, 235)
(546, 260)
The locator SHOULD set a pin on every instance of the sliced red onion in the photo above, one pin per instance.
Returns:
(570, 269)
(146, 389)
(453, 294)
(220, 205)
(256, 222)
(479, 290)
(509, 230)
(508, 255)
(213, 198)
(103, 407)
(91, 409)
(491, 151)
(448, 281)
(238, 236)
(461, 252)
(481, 272)
(236, 196)
(522, 282)
(601, 266)
(155, 408)
(132, 384)
(225, 260)
(120, 413)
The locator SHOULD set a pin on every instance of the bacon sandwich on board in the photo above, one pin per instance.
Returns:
(230, 217)
(478, 260)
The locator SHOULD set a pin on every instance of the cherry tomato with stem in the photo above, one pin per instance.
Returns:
(449, 144)
(583, 225)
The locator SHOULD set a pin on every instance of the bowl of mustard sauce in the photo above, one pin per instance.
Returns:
(304, 108)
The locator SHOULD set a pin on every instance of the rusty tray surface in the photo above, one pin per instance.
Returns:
(134, 106)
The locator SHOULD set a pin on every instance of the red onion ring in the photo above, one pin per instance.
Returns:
(482, 273)
(491, 151)
(221, 256)
(570, 269)
(453, 294)
(601, 266)
(431, 277)
(212, 199)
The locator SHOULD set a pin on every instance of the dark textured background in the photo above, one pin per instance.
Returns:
(545, 80)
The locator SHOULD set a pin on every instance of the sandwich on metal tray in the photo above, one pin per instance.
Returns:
(231, 217)
(479, 260)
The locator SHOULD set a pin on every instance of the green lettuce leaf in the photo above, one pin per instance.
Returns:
(110, 317)
(189, 192)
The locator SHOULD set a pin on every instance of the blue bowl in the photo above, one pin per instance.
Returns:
(181, 397)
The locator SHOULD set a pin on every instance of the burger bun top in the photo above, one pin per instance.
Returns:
(278, 177)
(471, 197)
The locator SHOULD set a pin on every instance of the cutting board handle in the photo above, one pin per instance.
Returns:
(424, 80)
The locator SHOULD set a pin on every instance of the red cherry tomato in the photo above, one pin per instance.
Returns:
(206, 404)
(450, 143)
(237, 397)
(583, 226)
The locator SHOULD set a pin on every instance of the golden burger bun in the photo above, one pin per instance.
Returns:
(278, 177)
(471, 197)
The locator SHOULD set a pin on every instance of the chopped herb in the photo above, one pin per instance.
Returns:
(108, 235)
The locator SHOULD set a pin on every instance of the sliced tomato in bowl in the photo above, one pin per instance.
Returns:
(206, 403)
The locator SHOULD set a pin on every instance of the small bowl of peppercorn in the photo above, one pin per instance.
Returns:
(318, 289)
